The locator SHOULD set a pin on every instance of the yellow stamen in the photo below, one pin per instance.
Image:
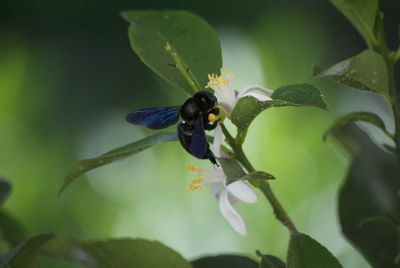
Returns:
(212, 117)
(193, 168)
(215, 81)
(196, 183)
(227, 74)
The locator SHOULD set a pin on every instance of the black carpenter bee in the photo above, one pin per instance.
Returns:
(199, 113)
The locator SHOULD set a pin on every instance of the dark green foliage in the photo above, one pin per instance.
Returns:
(249, 107)
(365, 71)
(369, 207)
(302, 95)
(179, 46)
(354, 117)
(269, 261)
(360, 13)
(5, 190)
(222, 261)
(24, 254)
(305, 252)
(115, 253)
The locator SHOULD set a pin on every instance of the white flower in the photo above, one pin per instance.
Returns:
(228, 96)
(218, 142)
(225, 194)
(228, 99)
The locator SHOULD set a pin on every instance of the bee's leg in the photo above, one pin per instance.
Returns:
(211, 157)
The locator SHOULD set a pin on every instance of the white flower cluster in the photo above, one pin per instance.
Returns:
(239, 190)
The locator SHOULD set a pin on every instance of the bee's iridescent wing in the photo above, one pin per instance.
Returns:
(199, 146)
(155, 118)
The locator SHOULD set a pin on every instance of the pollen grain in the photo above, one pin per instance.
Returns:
(212, 117)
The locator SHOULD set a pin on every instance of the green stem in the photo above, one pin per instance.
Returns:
(388, 134)
(383, 49)
(397, 55)
(395, 106)
(229, 138)
(264, 186)
(183, 69)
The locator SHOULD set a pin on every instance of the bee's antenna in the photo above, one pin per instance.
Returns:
(212, 159)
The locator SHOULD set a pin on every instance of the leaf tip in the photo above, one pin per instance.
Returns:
(328, 132)
(325, 105)
(258, 253)
(316, 70)
(62, 188)
(67, 181)
(124, 15)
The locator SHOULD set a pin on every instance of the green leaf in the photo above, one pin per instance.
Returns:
(11, 229)
(249, 107)
(353, 117)
(5, 190)
(233, 171)
(118, 154)
(302, 95)
(365, 71)
(168, 38)
(269, 261)
(221, 261)
(115, 253)
(376, 218)
(24, 255)
(316, 69)
(369, 193)
(304, 251)
(360, 13)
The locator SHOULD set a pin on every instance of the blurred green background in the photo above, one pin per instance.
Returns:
(68, 77)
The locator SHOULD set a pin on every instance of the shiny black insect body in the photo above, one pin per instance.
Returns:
(195, 113)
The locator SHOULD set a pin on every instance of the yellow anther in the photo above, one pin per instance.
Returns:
(228, 75)
(199, 178)
(215, 81)
(193, 168)
(195, 184)
(212, 117)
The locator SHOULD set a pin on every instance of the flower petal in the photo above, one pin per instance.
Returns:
(242, 191)
(245, 91)
(217, 141)
(258, 96)
(230, 214)
(232, 199)
(217, 189)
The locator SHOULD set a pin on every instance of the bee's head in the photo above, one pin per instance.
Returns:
(205, 100)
